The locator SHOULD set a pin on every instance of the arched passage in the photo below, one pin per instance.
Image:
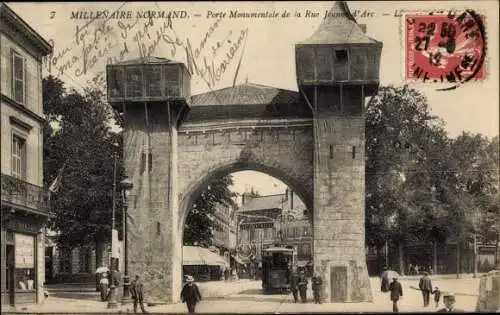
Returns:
(197, 187)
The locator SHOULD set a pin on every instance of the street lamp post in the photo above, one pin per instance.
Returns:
(126, 185)
(112, 289)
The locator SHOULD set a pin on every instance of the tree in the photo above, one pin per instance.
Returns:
(199, 221)
(399, 129)
(422, 186)
(79, 136)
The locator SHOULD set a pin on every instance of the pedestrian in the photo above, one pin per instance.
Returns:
(317, 285)
(449, 302)
(103, 286)
(137, 293)
(410, 269)
(384, 286)
(416, 270)
(396, 293)
(303, 286)
(294, 282)
(437, 295)
(190, 294)
(425, 286)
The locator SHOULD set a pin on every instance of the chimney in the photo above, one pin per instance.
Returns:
(363, 27)
(243, 198)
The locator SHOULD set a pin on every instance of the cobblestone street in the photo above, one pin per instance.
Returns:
(244, 296)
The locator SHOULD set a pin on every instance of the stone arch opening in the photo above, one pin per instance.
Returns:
(194, 189)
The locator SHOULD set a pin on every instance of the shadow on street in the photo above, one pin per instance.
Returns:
(76, 295)
(251, 291)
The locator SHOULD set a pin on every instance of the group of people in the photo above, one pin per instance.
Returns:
(136, 288)
(298, 284)
(417, 270)
(425, 286)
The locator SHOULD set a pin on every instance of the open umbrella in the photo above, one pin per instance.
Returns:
(102, 269)
(390, 274)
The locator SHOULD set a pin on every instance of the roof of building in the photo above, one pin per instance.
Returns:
(8, 15)
(247, 100)
(339, 28)
(278, 201)
(246, 94)
(263, 203)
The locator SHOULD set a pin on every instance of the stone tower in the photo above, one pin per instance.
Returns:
(153, 96)
(337, 68)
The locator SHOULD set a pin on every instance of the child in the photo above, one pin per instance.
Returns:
(437, 295)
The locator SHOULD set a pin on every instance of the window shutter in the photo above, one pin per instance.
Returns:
(25, 83)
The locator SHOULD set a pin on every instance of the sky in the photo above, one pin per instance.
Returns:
(265, 47)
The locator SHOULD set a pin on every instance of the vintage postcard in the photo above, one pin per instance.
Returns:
(250, 157)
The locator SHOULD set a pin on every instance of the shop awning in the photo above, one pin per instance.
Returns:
(195, 255)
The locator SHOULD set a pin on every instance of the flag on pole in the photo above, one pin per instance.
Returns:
(56, 184)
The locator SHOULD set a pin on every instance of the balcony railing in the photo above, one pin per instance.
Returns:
(24, 195)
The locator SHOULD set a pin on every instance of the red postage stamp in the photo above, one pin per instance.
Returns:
(449, 48)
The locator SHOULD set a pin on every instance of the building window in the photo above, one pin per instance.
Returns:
(24, 262)
(18, 77)
(305, 231)
(304, 250)
(341, 56)
(18, 157)
(84, 260)
(65, 261)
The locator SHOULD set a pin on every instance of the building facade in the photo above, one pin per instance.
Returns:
(224, 231)
(24, 203)
(76, 265)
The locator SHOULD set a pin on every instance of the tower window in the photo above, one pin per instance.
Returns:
(353, 152)
(331, 151)
(341, 56)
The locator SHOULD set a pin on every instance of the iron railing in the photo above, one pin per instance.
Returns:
(23, 194)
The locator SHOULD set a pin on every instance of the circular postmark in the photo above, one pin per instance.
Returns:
(449, 49)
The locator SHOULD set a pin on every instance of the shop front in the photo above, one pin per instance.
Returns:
(22, 257)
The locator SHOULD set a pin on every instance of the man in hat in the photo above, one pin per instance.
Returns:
(425, 286)
(396, 293)
(303, 286)
(137, 293)
(449, 302)
(190, 294)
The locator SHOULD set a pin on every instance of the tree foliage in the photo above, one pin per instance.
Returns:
(199, 221)
(78, 135)
(421, 185)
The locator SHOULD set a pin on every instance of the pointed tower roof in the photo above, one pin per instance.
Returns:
(340, 27)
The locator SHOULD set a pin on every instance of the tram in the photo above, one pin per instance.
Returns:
(277, 263)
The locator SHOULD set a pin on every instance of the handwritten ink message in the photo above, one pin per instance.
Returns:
(113, 41)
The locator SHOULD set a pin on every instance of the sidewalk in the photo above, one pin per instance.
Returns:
(245, 296)
(210, 291)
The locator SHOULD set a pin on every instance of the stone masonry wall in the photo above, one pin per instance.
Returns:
(148, 242)
(285, 153)
(338, 216)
